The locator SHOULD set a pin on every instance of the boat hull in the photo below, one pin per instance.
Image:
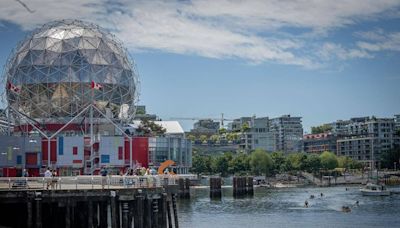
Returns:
(375, 193)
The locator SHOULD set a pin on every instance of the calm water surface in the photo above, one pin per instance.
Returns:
(285, 208)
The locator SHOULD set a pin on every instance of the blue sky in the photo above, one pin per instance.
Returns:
(322, 60)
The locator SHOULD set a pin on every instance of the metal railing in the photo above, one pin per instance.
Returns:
(86, 182)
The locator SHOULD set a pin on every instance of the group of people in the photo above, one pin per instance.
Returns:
(51, 179)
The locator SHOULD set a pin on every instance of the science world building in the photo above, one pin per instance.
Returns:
(70, 90)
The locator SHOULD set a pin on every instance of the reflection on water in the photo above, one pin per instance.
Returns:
(285, 208)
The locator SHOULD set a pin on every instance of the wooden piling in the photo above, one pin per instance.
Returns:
(175, 211)
(138, 220)
(155, 213)
(38, 213)
(114, 211)
(169, 213)
(125, 214)
(148, 213)
(215, 187)
(103, 215)
(29, 221)
(249, 186)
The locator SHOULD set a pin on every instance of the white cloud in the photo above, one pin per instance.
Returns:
(255, 31)
(386, 42)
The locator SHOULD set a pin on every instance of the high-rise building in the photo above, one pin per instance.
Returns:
(257, 136)
(287, 133)
(367, 138)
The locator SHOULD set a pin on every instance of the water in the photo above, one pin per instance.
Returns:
(285, 208)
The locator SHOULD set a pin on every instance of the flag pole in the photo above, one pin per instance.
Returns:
(91, 124)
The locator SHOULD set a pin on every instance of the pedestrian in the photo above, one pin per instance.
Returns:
(103, 173)
(322, 194)
(25, 173)
(306, 203)
(54, 179)
(47, 176)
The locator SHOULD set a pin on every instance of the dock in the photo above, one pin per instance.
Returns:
(89, 201)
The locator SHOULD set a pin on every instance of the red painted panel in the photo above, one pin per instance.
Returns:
(120, 153)
(77, 161)
(53, 150)
(140, 150)
(44, 150)
(74, 150)
(31, 159)
(126, 151)
(10, 172)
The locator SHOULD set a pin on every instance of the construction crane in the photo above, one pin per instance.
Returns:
(221, 119)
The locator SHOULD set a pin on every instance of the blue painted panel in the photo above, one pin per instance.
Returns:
(105, 158)
(60, 145)
(19, 159)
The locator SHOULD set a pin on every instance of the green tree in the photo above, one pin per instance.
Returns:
(245, 127)
(203, 138)
(297, 161)
(222, 131)
(214, 138)
(200, 164)
(328, 160)
(221, 164)
(388, 158)
(149, 128)
(232, 136)
(278, 160)
(260, 162)
(191, 137)
(321, 129)
(240, 164)
(313, 163)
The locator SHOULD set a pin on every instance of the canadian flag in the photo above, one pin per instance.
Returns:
(96, 86)
(13, 88)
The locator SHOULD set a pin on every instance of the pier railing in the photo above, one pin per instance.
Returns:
(87, 182)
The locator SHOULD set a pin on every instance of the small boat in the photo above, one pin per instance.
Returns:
(374, 190)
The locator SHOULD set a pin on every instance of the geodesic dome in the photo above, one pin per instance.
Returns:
(50, 73)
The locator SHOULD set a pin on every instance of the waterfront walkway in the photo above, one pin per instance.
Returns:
(86, 182)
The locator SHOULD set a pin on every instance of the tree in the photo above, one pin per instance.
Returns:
(245, 127)
(297, 161)
(203, 138)
(313, 163)
(239, 164)
(191, 137)
(201, 164)
(221, 164)
(328, 160)
(232, 136)
(388, 158)
(260, 162)
(149, 128)
(214, 138)
(278, 160)
(321, 129)
(222, 131)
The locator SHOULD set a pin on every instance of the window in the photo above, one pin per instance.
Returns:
(75, 150)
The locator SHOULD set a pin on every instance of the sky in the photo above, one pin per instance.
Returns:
(321, 60)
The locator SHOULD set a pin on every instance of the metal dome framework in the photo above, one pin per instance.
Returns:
(49, 75)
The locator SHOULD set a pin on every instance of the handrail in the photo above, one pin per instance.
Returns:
(86, 182)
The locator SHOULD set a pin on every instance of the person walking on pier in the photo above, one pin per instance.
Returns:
(103, 173)
(47, 176)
